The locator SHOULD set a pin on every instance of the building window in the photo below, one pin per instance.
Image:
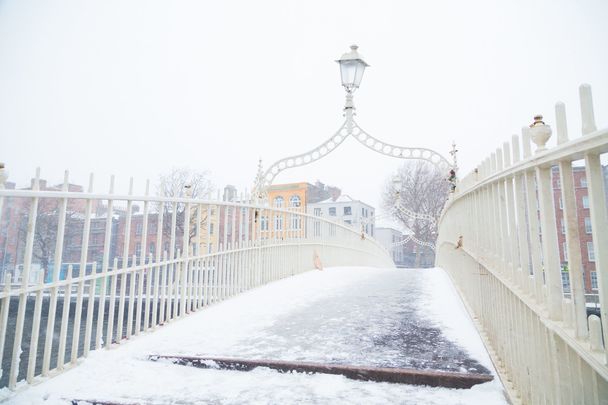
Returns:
(561, 204)
(138, 228)
(593, 275)
(590, 252)
(585, 201)
(332, 211)
(278, 222)
(565, 281)
(563, 227)
(152, 248)
(348, 211)
(138, 249)
(565, 249)
(295, 201)
(317, 212)
(264, 223)
(583, 182)
(587, 225)
(166, 247)
(278, 202)
(295, 222)
(211, 228)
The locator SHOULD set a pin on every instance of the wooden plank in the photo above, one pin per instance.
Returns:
(378, 374)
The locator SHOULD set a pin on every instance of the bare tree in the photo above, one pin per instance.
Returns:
(46, 231)
(423, 190)
(182, 182)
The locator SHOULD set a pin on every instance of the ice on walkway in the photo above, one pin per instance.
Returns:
(365, 316)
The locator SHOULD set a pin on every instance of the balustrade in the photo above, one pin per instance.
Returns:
(509, 267)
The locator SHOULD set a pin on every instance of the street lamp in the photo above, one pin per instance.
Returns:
(352, 67)
(397, 183)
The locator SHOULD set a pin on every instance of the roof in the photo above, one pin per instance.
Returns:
(341, 199)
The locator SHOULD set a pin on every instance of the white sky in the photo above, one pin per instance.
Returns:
(133, 88)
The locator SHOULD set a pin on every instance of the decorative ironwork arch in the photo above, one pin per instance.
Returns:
(349, 128)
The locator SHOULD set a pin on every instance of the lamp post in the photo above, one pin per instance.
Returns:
(397, 183)
(352, 68)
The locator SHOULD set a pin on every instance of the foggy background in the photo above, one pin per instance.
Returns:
(134, 88)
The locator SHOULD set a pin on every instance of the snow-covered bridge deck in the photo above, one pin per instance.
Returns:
(354, 316)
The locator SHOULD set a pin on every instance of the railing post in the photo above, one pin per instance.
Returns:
(144, 273)
(533, 221)
(552, 269)
(599, 230)
(125, 265)
(573, 247)
(522, 234)
(48, 342)
(510, 205)
(84, 252)
(31, 365)
(27, 261)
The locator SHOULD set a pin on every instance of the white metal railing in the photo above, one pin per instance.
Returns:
(195, 253)
(508, 269)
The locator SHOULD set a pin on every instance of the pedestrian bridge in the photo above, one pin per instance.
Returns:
(498, 243)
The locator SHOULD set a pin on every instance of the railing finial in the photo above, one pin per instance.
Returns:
(587, 116)
(560, 122)
(540, 133)
(3, 175)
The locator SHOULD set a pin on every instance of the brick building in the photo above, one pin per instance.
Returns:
(584, 226)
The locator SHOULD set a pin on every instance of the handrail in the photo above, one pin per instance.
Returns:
(204, 251)
(500, 241)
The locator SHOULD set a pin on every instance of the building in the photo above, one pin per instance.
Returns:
(13, 229)
(294, 197)
(389, 238)
(584, 226)
(347, 210)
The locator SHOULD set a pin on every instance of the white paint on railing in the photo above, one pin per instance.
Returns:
(587, 115)
(169, 284)
(509, 271)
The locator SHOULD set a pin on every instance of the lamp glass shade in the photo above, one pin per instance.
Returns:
(397, 183)
(352, 72)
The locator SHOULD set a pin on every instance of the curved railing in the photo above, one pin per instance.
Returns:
(111, 271)
(519, 237)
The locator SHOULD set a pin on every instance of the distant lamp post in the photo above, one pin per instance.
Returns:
(397, 183)
(188, 190)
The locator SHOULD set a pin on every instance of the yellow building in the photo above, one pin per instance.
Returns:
(292, 197)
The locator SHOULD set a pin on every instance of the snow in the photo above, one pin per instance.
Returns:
(375, 317)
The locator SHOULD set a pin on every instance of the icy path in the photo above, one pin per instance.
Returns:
(376, 317)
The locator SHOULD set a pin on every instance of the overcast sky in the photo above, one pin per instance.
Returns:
(133, 88)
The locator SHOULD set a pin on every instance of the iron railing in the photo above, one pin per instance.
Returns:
(134, 270)
(508, 267)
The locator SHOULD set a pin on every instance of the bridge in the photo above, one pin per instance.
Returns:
(497, 246)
